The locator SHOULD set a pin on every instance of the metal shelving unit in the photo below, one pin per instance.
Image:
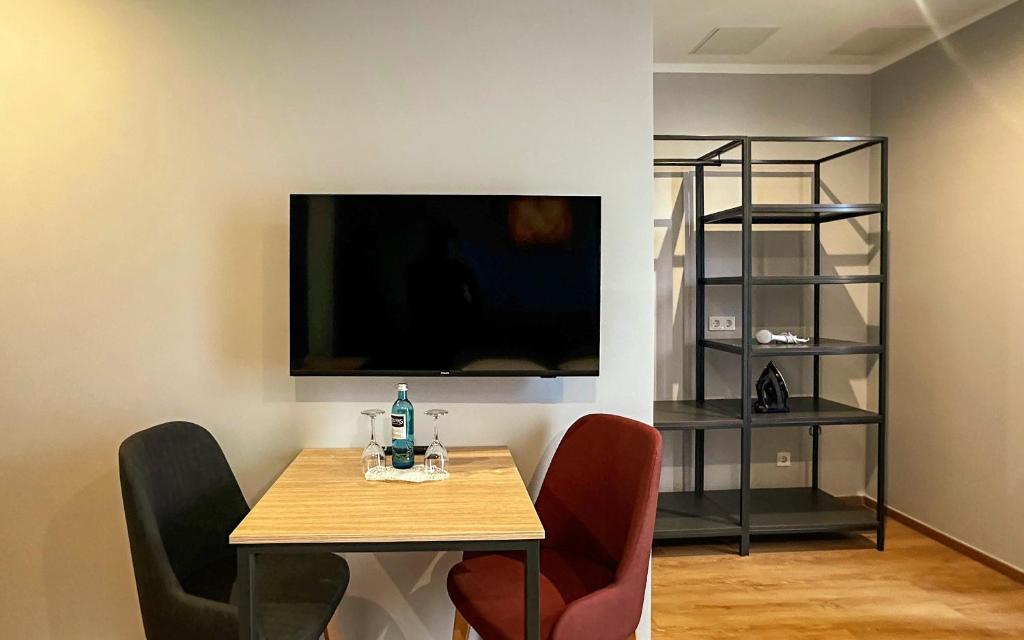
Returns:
(739, 513)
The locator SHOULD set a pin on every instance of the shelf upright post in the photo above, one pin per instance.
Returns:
(698, 434)
(816, 429)
(746, 404)
(883, 317)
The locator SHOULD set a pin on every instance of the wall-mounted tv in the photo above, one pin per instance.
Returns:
(445, 285)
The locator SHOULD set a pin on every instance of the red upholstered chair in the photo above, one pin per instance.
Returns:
(597, 504)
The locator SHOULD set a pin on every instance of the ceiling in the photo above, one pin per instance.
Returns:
(826, 36)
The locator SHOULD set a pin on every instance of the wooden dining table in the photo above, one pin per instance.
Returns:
(322, 503)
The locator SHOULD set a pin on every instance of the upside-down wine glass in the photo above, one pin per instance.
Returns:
(373, 454)
(435, 460)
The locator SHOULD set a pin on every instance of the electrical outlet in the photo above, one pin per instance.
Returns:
(722, 323)
(783, 459)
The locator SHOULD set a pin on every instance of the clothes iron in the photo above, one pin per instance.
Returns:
(772, 392)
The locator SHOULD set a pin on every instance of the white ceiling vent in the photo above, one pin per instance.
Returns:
(733, 40)
(880, 40)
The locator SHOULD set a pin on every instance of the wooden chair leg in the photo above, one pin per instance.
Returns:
(333, 630)
(460, 628)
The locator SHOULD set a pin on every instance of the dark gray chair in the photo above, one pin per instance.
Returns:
(181, 502)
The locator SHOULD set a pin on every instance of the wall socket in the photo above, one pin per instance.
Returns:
(722, 323)
(783, 459)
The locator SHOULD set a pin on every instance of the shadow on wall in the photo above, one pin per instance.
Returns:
(364, 618)
(279, 386)
(422, 577)
(674, 323)
(86, 552)
(413, 583)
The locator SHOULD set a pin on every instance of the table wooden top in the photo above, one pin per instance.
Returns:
(322, 497)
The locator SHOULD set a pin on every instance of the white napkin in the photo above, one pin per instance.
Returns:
(416, 474)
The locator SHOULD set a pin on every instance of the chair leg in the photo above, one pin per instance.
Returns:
(333, 630)
(460, 628)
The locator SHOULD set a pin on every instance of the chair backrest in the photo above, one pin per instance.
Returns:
(181, 502)
(600, 494)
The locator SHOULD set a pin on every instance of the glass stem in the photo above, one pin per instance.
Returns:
(435, 429)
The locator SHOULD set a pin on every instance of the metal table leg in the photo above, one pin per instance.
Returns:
(247, 599)
(532, 590)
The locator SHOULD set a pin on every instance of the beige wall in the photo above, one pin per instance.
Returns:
(954, 113)
(147, 154)
(715, 104)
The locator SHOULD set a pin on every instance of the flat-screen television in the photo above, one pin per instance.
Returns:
(445, 285)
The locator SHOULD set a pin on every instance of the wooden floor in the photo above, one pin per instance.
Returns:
(831, 588)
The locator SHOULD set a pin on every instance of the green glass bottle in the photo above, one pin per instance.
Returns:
(403, 438)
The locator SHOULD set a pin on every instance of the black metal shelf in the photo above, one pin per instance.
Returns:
(745, 511)
(793, 213)
(687, 514)
(714, 156)
(691, 414)
(793, 280)
(816, 347)
(675, 415)
(808, 411)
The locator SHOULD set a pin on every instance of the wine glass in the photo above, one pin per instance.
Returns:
(435, 460)
(373, 454)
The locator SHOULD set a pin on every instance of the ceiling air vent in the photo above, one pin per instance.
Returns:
(879, 40)
(733, 40)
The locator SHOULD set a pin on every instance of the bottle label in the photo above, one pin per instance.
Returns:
(398, 427)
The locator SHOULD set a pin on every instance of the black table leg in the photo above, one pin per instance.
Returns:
(533, 590)
(247, 599)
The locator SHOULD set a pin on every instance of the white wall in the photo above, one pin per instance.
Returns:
(723, 104)
(145, 165)
(954, 113)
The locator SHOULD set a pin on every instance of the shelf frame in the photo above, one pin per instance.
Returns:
(714, 157)
(816, 279)
(815, 429)
(805, 411)
(698, 435)
(693, 514)
(775, 511)
(795, 213)
(747, 189)
(814, 412)
(816, 347)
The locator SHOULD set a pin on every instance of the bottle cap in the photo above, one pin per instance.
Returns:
(402, 386)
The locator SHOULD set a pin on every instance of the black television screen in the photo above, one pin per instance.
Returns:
(428, 285)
